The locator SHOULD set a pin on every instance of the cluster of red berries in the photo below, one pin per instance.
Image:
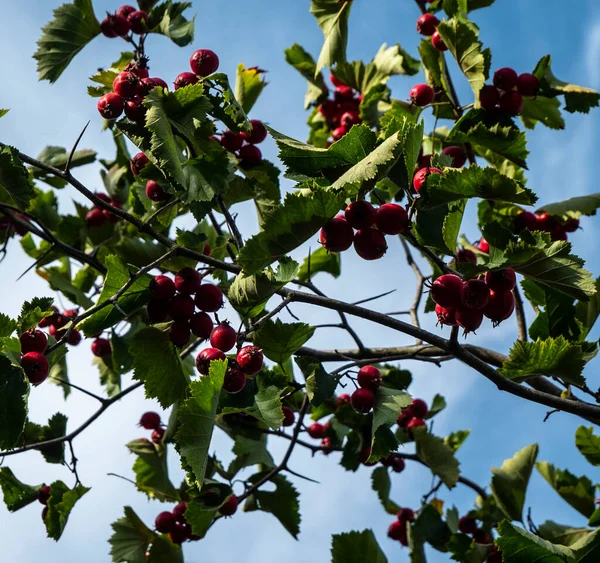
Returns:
(43, 498)
(243, 144)
(126, 19)
(132, 85)
(508, 90)
(154, 191)
(468, 526)
(10, 227)
(371, 224)
(398, 528)
(369, 380)
(457, 153)
(101, 347)
(465, 303)
(427, 25)
(341, 111)
(175, 524)
(97, 217)
(413, 416)
(55, 323)
(177, 299)
(546, 223)
(151, 421)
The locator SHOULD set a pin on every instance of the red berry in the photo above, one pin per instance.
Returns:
(70, 313)
(231, 141)
(467, 525)
(392, 219)
(223, 337)
(201, 325)
(47, 321)
(505, 79)
(424, 161)
(328, 109)
(500, 306)
(187, 281)
(571, 225)
(148, 84)
(33, 340)
(483, 245)
(126, 85)
(316, 430)
(157, 435)
(422, 95)
(101, 347)
(106, 28)
(457, 154)
(206, 356)
(155, 192)
(204, 62)
(526, 220)
(362, 400)
(139, 68)
(209, 298)
(406, 515)
(335, 81)
(349, 118)
(137, 163)
(489, 97)
(180, 334)
(185, 79)
(501, 280)
(35, 366)
(235, 380)
(257, 134)
(437, 42)
(179, 511)
(288, 416)
(466, 256)
(343, 94)
(138, 21)
(250, 359)
(447, 291)
(165, 522)
(180, 533)
(230, 506)
(370, 244)
(476, 294)
(338, 133)
(56, 332)
(119, 25)
(546, 222)
(481, 536)
(369, 377)
(421, 177)
(528, 84)
(469, 319)
(494, 557)
(150, 420)
(419, 408)
(74, 338)
(135, 110)
(511, 102)
(397, 531)
(363, 457)
(125, 10)
(110, 106)
(558, 233)
(44, 494)
(360, 214)
(343, 400)
(404, 417)
(415, 423)
(396, 463)
(162, 287)
(426, 24)
(250, 156)
(336, 235)
(445, 316)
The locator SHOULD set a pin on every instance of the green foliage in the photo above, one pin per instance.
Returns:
(13, 402)
(520, 546)
(225, 106)
(438, 456)
(320, 386)
(279, 340)
(249, 84)
(163, 550)
(130, 539)
(32, 312)
(305, 64)
(356, 547)
(16, 494)
(62, 500)
(332, 17)
(15, 186)
(105, 78)
(381, 483)
(562, 535)
(588, 444)
(56, 428)
(574, 207)
(542, 110)
(151, 473)
(388, 405)
(167, 19)
(321, 260)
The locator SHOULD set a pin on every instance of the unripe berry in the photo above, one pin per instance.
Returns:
(511, 102)
(525, 220)
(360, 214)
(370, 244)
(165, 522)
(447, 291)
(182, 308)
(489, 97)
(158, 435)
(209, 298)
(288, 416)
(476, 294)
(316, 430)
(206, 356)
(101, 347)
(528, 84)
(138, 21)
(185, 79)
(179, 511)
(483, 245)
(158, 310)
(445, 316)
(155, 192)
(235, 380)
(336, 235)
(500, 306)
(250, 156)
(44, 494)
(419, 408)
(469, 319)
(138, 162)
(250, 359)
(204, 62)
(126, 85)
(422, 95)
(392, 219)
(369, 377)
(421, 177)
(201, 325)
(150, 420)
(223, 337)
(426, 24)
(438, 42)
(135, 110)
(35, 366)
(33, 340)
(258, 133)
(501, 280)
(230, 506)
(162, 287)
(457, 154)
(362, 400)
(110, 106)
(505, 79)
(467, 525)
(231, 141)
(180, 334)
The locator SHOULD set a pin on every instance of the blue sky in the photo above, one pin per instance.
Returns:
(561, 165)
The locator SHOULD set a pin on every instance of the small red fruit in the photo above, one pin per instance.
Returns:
(469, 319)
(415, 423)
(396, 463)
(421, 177)
(466, 256)
(150, 420)
(162, 287)
(201, 325)
(335, 81)
(338, 133)
(419, 408)
(257, 134)
(33, 340)
(392, 219)
(360, 214)
(74, 338)
(481, 536)
(362, 400)
(316, 430)
(404, 417)
(505, 79)
(343, 400)
(35, 366)
(157, 435)
(528, 84)
(348, 119)
(209, 298)
(438, 42)
(397, 531)
(446, 316)
(343, 94)
(110, 106)
(126, 85)
(558, 233)
(180, 334)
(165, 522)
(138, 162)
(187, 281)
(223, 337)
(180, 533)
(155, 192)
(489, 97)
(125, 10)
(369, 377)
(546, 222)
(447, 291)
(138, 21)
(426, 24)
(406, 515)
(230, 506)
(526, 220)
(467, 525)
(476, 294)
(204, 62)
(500, 306)
(250, 359)
(179, 512)
(135, 110)
(457, 154)
(288, 416)
(101, 347)
(119, 25)
(501, 280)
(182, 308)
(250, 156)
(206, 356)
(231, 141)
(571, 225)
(511, 102)
(44, 494)
(421, 95)
(336, 235)
(370, 244)
(185, 79)
(235, 380)
(106, 28)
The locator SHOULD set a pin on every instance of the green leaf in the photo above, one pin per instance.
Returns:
(15, 186)
(356, 547)
(587, 312)
(562, 535)
(574, 207)
(509, 482)
(200, 517)
(250, 452)
(104, 77)
(332, 17)
(282, 503)
(542, 110)
(520, 546)
(157, 363)
(321, 260)
(32, 312)
(439, 227)
(130, 539)
(61, 502)
(587, 549)
(249, 83)
(7, 325)
(305, 64)
(136, 296)
(430, 527)
(13, 403)
(279, 340)
(320, 386)
(380, 481)
(461, 38)
(56, 428)
(16, 494)
(388, 405)
(73, 27)
(163, 550)
(292, 224)
(268, 403)
(455, 440)
(151, 472)
(225, 106)
(555, 357)
(196, 416)
(588, 444)
(433, 66)
(577, 491)
(438, 456)
(167, 20)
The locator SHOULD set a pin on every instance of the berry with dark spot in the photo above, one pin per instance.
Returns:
(370, 244)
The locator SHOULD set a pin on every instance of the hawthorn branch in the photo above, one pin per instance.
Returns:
(233, 228)
(414, 309)
(520, 311)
